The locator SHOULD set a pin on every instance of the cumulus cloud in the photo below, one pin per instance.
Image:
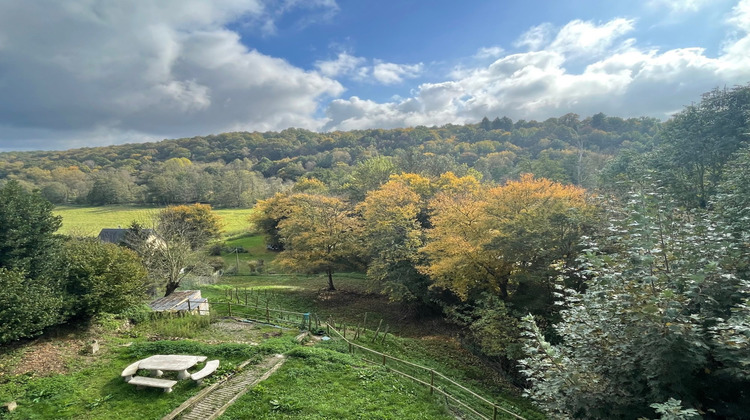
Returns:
(535, 37)
(344, 64)
(617, 77)
(680, 6)
(392, 73)
(168, 68)
(580, 37)
(357, 68)
(489, 52)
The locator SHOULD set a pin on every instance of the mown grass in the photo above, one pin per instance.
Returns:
(323, 383)
(89, 221)
(93, 388)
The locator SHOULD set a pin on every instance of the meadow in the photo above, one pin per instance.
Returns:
(88, 221)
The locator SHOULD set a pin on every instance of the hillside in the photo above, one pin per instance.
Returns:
(235, 169)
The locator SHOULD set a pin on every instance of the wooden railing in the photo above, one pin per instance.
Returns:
(383, 358)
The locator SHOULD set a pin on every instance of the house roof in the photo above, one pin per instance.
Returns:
(177, 301)
(116, 236)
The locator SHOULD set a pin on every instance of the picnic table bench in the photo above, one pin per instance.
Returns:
(143, 381)
(159, 363)
(207, 370)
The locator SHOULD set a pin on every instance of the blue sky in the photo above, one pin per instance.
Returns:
(95, 72)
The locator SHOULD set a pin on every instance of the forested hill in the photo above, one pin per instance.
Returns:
(235, 169)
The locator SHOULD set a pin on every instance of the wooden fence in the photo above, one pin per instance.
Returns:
(435, 381)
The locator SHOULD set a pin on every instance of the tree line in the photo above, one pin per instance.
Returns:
(237, 169)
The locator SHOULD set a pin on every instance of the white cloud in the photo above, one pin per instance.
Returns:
(536, 37)
(617, 78)
(579, 37)
(489, 52)
(680, 6)
(392, 73)
(357, 68)
(166, 68)
(344, 64)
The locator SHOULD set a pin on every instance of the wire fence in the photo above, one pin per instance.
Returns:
(437, 382)
(256, 305)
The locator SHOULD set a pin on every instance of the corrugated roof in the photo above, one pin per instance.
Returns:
(176, 299)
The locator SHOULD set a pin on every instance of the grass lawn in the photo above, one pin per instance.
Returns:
(79, 385)
(88, 221)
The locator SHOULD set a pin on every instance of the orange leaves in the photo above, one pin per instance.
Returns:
(487, 238)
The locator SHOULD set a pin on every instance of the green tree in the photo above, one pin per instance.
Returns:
(698, 141)
(27, 232)
(664, 316)
(102, 277)
(369, 175)
(30, 287)
(320, 235)
(27, 306)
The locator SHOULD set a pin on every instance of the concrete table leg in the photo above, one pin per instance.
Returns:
(183, 374)
(156, 373)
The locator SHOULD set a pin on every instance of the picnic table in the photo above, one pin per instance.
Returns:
(170, 362)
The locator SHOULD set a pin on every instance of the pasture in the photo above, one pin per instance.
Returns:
(88, 221)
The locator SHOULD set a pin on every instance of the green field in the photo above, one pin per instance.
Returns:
(88, 221)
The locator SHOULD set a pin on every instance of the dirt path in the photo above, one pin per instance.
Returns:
(211, 402)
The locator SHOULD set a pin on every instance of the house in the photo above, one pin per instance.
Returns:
(117, 236)
(182, 300)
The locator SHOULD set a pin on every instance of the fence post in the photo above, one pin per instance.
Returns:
(432, 381)
(350, 348)
(377, 331)
(344, 330)
(245, 297)
(385, 334)
(229, 306)
(189, 305)
(494, 412)
(268, 314)
(383, 359)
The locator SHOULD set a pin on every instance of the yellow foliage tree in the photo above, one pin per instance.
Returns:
(320, 234)
(495, 239)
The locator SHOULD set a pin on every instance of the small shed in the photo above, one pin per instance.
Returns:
(182, 301)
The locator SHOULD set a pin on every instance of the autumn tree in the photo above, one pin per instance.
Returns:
(320, 234)
(393, 236)
(503, 238)
(197, 224)
(266, 216)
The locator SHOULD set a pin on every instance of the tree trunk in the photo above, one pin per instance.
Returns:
(171, 287)
(329, 271)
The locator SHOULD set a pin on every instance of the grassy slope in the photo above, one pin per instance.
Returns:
(431, 343)
(88, 221)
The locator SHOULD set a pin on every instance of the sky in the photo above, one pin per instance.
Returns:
(84, 73)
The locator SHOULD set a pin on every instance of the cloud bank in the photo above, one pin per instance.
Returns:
(617, 77)
(94, 72)
(78, 70)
